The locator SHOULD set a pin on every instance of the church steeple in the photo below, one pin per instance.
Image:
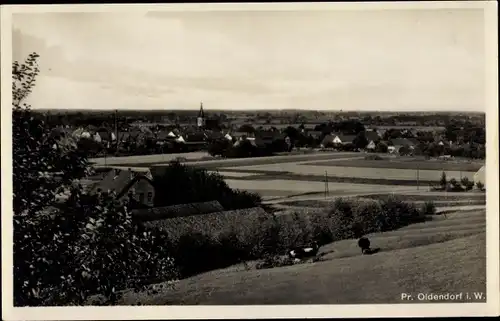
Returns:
(201, 117)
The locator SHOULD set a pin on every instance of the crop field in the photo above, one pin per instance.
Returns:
(277, 187)
(419, 128)
(354, 172)
(408, 163)
(439, 199)
(234, 174)
(148, 159)
(209, 162)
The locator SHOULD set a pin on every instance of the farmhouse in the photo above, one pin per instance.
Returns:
(126, 183)
(337, 139)
(480, 176)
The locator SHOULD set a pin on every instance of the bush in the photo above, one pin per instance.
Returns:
(218, 240)
(468, 184)
(454, 186)
(428, 208)
(181, 184)
(480, 186)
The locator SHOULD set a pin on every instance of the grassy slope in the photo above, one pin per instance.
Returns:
(443, 255)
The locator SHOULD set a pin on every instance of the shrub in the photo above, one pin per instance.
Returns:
(428, 208)
(480, 186)
(182, 184)
(454, 186)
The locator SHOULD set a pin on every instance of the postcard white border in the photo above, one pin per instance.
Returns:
(291, 311)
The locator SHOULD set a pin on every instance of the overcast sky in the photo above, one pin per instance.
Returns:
(369, 60)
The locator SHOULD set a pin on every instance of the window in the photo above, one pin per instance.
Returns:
(141, 197)
(150, 197)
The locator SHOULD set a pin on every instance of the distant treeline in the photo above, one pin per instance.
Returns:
(107, 117)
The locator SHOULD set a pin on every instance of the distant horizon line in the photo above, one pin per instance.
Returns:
(263, 110)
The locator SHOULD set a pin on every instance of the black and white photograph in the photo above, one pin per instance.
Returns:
(250, 155)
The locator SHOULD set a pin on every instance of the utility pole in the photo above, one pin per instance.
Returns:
(327, 191)
(418, 177)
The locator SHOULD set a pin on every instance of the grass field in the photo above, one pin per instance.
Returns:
(148, 159)
(281, 187)
(353, 172)
(438, 256)
(434, 165)
(438, 198)
(209, 162)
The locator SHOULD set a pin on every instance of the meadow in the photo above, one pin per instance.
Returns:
(305, 169)
(405, 163)
(285, 187)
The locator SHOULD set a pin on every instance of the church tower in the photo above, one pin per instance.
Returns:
(201, 117)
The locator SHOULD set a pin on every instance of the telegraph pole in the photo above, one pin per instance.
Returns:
(327, 191)
(418, 177)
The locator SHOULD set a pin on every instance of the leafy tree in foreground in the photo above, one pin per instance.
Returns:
(63, 253)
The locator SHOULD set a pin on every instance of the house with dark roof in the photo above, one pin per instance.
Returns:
(395, 144)
(316, 134)
(128, 183)
(179, 210)
(372, 136)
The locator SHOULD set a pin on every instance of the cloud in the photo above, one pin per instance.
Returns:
(348, 59)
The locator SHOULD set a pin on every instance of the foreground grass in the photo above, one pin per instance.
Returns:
(443, 255)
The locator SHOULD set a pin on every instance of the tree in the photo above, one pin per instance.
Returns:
(247, 129)
(219, 147)
(193, 185)
(63, 253)
(443, 181)
(360, 141)
(404, 150)
(381, 147)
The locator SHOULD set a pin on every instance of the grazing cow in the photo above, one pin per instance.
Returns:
(304, 252)
(364, 244)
